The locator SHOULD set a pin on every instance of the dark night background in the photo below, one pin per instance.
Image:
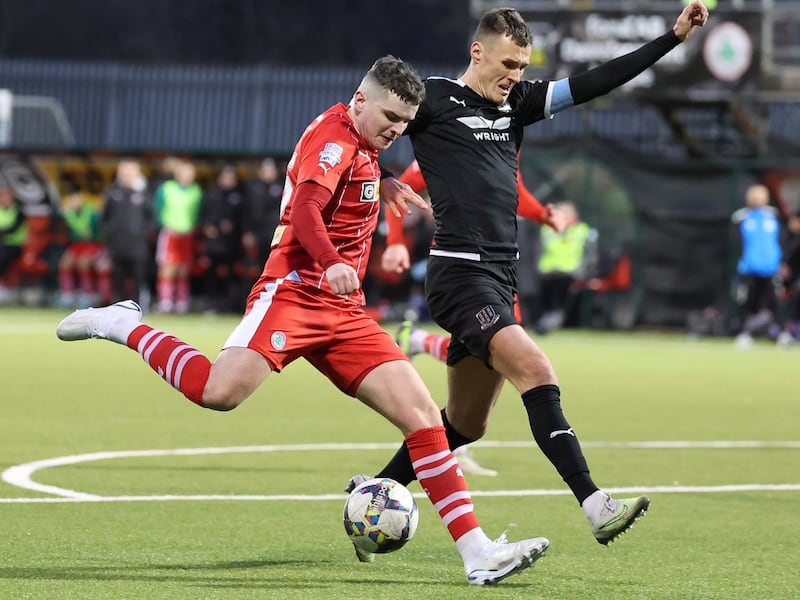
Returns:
(301, 32)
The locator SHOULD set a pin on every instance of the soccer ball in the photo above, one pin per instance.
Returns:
(380, 515)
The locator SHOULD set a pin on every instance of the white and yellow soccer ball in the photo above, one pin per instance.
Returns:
(380, 516)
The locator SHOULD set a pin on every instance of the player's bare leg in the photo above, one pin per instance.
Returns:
(222, 385)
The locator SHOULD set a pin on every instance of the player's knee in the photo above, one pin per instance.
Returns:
(420, 416)
(221, 403)
(468, 424)
(222, 397)
(430, 415)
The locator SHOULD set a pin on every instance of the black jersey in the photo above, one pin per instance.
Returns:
(466, 147)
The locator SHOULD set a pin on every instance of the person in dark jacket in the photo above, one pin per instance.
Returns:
(262, 209)
(128, 223)
(221, 221)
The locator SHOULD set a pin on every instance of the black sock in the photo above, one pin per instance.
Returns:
(454, 439)
(557, 440)
(399, 467)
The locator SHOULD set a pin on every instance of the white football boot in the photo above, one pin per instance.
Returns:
(114, 322)
(501, 559)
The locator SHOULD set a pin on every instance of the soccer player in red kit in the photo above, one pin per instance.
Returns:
(308, 303)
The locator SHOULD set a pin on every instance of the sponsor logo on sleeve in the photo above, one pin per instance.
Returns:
(330, 156)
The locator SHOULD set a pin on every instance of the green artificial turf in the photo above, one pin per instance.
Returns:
(259, 515)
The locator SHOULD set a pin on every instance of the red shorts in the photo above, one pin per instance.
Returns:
(285, 320)
(175, 248)
(84, 248)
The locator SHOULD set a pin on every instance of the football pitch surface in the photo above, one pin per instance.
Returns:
(115, 486)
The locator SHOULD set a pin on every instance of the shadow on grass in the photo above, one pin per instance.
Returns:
(298, 574)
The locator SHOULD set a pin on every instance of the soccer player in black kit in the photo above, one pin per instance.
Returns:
(465, 136)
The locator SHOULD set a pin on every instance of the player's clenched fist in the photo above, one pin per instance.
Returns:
(342, 278)
(694, 15)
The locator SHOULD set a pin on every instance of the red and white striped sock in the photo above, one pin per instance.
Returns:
(165, 288)
(182, 295)
(436, 346)
(66, 281)
(104, 287)
(87, 282)
(185, 368)
(440, 476)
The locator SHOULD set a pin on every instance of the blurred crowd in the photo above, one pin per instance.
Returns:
(162, 236)
(182, 238)
(179, 242)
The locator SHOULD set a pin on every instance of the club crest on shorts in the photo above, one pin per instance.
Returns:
(278, 340)
(487, 317)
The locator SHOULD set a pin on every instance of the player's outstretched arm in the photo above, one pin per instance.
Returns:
(694, 15)
(614, 73)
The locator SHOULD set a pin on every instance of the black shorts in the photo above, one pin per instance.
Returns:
(472, 301)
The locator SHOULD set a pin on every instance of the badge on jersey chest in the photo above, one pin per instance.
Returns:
(369, 191)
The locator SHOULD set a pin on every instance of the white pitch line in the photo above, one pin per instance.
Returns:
(659, 489)
(22, 475)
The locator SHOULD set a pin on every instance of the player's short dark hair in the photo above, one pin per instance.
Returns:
(398, 77)
(502, 22)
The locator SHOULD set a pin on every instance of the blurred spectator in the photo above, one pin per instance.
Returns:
(262, 196)
(759, 262)
(127, 221)
(13, 234)
(221, 219)
(84, 270)
(177, 204)
(566, 258)
(788, 327)
(163, 172)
